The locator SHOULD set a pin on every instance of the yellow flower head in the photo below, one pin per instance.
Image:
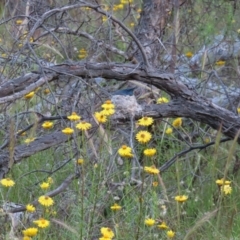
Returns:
(19, 21)
(101, 118)
(30, 208)
(151, 170)
(107, 111)
(189, 54)
(80, 161)
(50, 180)
(29, 95)
(226, 189)
(68, 131)
(125, 151)
(150, 152)
(107, 232)
(108, 104)
(143, 136)
(220, 63)
(42, 223)
(169, 130)
(162, 100)
(7, 182)
(46, 201)
(163, 226)
(126, 1)
(155, 184)
(104, 18)
(116, 207)
(44, 185)
(221, 182)
(47, 125)
(74, 117)
(26, 238)
(30, 232)
(149, 222)
(181, 198)
(83, 125)
(145, 121)
(46, 91)
(82, 53)
(132, 24)
(170, 234)
(28, 140)
(177, 122)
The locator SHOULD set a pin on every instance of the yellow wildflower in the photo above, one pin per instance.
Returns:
(104, 18)
(108, 104)
(132, 24)
(44, 185)
(101, 118)
(143, 136)
(162, 100)
(46, 201)
(177, 122)
(189, 54)
(169, 130)
(181, 198)
(120, 6)
(30, 208)
(46, 91)
(82, 53)
(50, 180)
(226, 189)
(145, 121)
(149, 222)
(170, 234)
(125, 151)
(151, 170)
(19, 21)
(116, 207)
(28, 140)
(74, 117)
(47, 125)
(150, 152)
(220, 63)
(80, 161)
(26, 238)
(163, 225)
(107, 111)
(83, 125)
(155, 184)
(107, 232)
(68, 131)
(207, 140)
(42, 223)
(29, 95)
(30, 232)
(221, 182)
(7, 182)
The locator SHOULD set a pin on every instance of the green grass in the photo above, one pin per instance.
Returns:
(84, 207)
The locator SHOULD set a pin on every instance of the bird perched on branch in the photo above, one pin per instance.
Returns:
(124, 92)
(121, 92)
